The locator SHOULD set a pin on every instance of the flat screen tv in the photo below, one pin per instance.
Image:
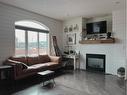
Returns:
(96, 27)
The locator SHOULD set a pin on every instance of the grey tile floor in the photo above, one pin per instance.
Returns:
(79, 83)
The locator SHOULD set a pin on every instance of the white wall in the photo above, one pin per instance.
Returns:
(8, 16)
(119, 29)
(115, 53)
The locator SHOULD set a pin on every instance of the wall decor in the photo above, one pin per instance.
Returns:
(70, 28)
(71, 39)
(76, 27)
(65, 29)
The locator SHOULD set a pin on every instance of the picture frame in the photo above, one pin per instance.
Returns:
(71, 28)
(76, 27)
(71, 39)
(65, 29)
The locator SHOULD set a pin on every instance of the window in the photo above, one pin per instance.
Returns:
(31, 40)
(20, 42)
(43, 43)
(32, 43)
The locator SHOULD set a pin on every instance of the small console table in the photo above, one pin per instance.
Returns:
(6, 69)
(75, 58)
(48, 75)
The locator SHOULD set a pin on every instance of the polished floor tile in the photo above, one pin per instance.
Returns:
(73, 83)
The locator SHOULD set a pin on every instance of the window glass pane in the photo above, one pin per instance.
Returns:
(43, 43)
(32, 43)
(19, 42)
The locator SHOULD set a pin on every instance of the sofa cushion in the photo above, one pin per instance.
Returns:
(29, 70)
(24, 66)
(37, 66)
(44, 58)
(32, 60)
(43, 66)
(52, 65)
(20, 59)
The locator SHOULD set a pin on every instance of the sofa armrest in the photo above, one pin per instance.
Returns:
(17, 68)
(55, 59)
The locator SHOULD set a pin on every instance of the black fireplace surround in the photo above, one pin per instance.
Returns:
(95, 62)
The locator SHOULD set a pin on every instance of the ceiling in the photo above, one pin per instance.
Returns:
(65, 9)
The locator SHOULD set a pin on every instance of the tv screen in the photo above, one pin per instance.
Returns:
(96, 27)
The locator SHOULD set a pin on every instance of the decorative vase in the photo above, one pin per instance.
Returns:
(108, 35)
(121, 72)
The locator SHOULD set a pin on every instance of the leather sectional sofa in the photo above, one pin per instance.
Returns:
(27, 66)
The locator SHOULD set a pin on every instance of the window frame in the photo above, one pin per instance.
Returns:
(28, 29)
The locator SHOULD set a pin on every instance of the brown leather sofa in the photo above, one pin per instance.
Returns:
(27, 66)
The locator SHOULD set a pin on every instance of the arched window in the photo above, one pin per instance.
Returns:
(31, 38)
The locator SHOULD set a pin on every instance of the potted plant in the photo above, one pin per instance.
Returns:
(121, 72)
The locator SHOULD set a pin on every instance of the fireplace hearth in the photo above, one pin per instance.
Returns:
(95, 62)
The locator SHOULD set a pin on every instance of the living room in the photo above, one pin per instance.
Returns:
(69, 14)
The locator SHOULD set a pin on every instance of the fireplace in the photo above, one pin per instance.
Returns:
(95, 62)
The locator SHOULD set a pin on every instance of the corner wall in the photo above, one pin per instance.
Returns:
(119, 29)
(8, 16)
(115, 53)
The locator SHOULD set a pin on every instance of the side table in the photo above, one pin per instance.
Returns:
(7, 70)
(48, 75)
(75, 58)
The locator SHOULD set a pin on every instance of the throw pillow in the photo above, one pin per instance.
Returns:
(44, 58)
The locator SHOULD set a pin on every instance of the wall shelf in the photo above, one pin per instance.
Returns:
(98, 41)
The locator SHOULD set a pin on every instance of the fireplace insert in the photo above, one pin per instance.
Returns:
(95, 62)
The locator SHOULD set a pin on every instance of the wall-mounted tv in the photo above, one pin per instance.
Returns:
(96, 27)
